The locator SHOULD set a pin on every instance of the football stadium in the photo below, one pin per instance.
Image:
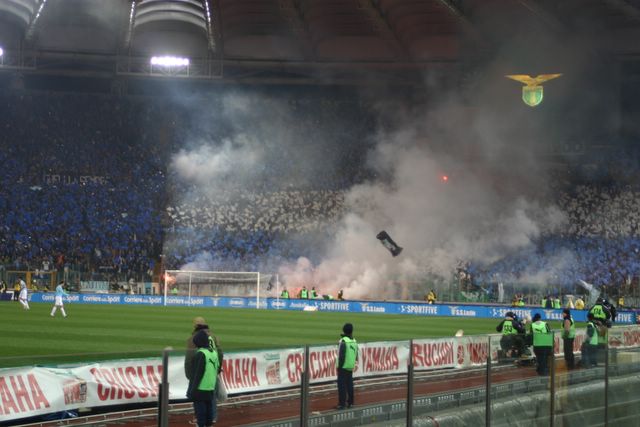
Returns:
(326, 213)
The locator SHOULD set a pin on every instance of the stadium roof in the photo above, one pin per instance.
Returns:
(298, 39)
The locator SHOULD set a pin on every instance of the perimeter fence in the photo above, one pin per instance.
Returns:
(453, 381)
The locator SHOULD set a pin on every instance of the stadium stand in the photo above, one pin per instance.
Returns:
(77, 185)
(89, 186)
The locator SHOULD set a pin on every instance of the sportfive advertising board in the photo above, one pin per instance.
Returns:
(417, 309)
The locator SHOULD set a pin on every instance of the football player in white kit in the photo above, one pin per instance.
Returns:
(60, 293)
(23, 295)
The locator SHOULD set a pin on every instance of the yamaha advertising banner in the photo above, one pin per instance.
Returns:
(417, 309)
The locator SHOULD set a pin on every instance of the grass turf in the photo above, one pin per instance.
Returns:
(99, 332)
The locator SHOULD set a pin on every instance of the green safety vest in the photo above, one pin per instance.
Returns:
(544, 302)
(303, 293)
(598, 312)
(508, 329)
(520, 303)
(210, 376)
(541, 338)
(556, 303)
(572, 329)
(285, 294)
(351, 353)
(594, 339)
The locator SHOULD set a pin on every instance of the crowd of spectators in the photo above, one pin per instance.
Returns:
(283, 211)
(600, 243)
(76, 187)
(251, 230)
(86, 183)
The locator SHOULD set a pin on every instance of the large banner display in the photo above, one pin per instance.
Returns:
(27, 392)
(31, 391)
(455, 352)
(418, 309)
(96, 286)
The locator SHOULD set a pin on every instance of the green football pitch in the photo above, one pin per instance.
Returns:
(99, 332)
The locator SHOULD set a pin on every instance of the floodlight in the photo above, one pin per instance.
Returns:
(1, 52)
(169, 61)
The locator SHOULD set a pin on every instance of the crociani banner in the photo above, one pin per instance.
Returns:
(31, 391)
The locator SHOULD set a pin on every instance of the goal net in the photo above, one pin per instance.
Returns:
(217, 284)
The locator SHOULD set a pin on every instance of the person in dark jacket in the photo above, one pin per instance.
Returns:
(203, 378)
(548, 302)
(347, 358)
(568, 337)
(199, 324)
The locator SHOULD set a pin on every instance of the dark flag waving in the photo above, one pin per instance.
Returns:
(388, 243)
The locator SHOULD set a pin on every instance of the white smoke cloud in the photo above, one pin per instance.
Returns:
(233, 149)
(550, 273)
(203, 262)
(493, 204)
(470, 217)
(208, 163)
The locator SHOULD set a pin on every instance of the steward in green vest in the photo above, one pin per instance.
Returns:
(304, 294)
(284, 294)
(542, 343)
(556, 303)
(568, 336)
(512, 341)
(204, 375)
(602, 318)
(590, 345)
(543, 303)
(600, 313)
(314, 293)
(199, 324)
(346, 363)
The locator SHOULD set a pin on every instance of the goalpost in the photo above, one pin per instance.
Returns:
(191, 283)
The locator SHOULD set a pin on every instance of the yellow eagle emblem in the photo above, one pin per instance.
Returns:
(532, 92)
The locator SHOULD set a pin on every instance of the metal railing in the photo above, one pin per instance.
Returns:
(505, 392)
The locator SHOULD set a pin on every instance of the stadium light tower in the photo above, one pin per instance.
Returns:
(171, 65)
(169, 61)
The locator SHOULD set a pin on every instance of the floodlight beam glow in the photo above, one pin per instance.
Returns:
(169, 61)
(39, 11)
(208, 12)
(1, 52)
